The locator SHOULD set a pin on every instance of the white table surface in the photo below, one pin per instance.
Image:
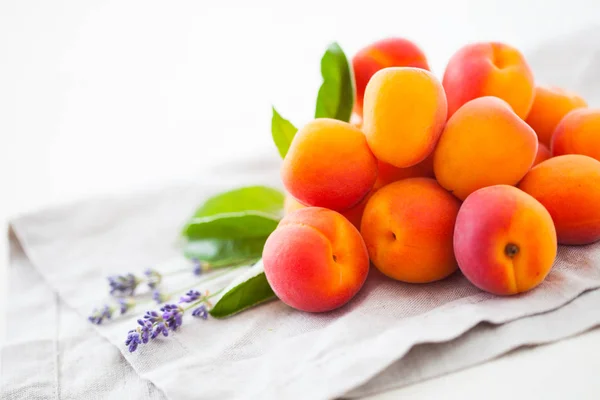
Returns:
(112, 96)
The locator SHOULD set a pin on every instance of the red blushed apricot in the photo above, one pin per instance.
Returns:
(329, 164)
(569, 187)
(542, 154)
(489, 69)
(483, 144)
(408, 227)
(391, 52)
(578, 133)
(315, 260)
(404, 114)
(388, 173)
(504, 240)
(550, 105)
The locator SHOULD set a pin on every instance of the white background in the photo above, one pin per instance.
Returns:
(112, 96)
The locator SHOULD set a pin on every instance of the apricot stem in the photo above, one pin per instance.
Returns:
(511, 250)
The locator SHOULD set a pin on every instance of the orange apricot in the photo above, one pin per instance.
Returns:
(290, 204)
(329, 164)
(569, 187)
(489, 69)
(353, 214)
(550, 105)
(404, 114)
(391, 52)
(578, 133)
(542, 154)
(504, 240)
(483, 144)
(315, 260)
(388, 173)
(408, 227)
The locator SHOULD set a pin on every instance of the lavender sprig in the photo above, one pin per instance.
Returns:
(199, 267)
(200, 312)
(123, 285)
(153, 278)
(107, 311)
(99, 314)
(169, 318)
(159, 297)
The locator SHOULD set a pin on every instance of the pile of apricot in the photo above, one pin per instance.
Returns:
(483, 172)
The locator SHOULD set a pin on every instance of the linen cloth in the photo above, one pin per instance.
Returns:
(391, 334)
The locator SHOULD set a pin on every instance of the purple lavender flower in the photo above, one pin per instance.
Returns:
(190, 296)
(159, 297)
(200, 312)
(123, 285)
(125, 305)
(158, 329)
(153, 316)
(172, 315)
(153, 278)
(133, 340)
(145, 330)
(99, 314)
(198, 267)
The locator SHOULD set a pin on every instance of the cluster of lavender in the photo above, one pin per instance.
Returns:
(123, 288)
(169, 318)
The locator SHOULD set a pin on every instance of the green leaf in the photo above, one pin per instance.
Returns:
(224, 252)
(283, 132)
(249, 289)
(234, 225)
(336, 95)
(254, 198)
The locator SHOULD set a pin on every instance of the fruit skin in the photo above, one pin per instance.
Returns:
(483, 144)
(290, 204)
(329, 164)
(550, 105)
(489, 69)
(408, 227)
(578, 133)
(391, 52)
(504, 240)
(404, 114)
(569, 187)
(315, 260)
(388, 173)
(543, 153)
(353, 214)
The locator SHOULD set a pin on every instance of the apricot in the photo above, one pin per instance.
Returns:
(543, 153)
(391, 52)
(315, 260)
(404, 114)
(504, 240)
(483, 144)
(353, 214)
(578, 133)
(408, 227)
(550, 105)
(489, 69)
(569, 187)
(388, 173)
(290, 204)
(329, 164)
